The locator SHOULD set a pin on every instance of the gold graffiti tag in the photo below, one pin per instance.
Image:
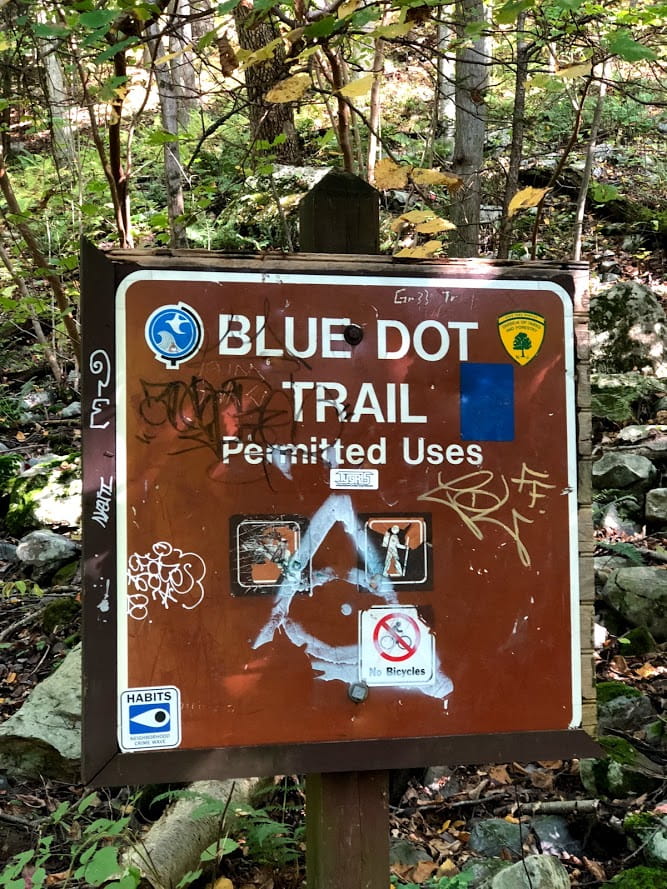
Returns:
(474, 500)
(528, 480)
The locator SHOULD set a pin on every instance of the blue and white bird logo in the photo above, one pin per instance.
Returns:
(174, 334)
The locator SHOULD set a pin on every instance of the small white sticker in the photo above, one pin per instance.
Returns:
(354, 479)
(149, 718)
(396, 646)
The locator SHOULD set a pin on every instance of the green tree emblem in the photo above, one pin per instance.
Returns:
(522, 342)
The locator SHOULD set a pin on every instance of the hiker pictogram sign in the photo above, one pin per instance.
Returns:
(328, 504)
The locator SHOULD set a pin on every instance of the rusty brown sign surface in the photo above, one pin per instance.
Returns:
(342, 508)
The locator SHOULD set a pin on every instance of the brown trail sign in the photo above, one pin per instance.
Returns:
(331, 518)
(345, 513)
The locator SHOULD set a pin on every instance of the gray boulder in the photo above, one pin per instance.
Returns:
(656, 506)
(628, 330)
(45, 551)
(626, 714)
(554, 835)
(44, 737)
(493, 837)
(625, 472)
(623, 515)
(534, 872)
(639, 596)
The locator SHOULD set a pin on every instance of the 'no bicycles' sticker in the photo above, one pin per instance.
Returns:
(395, 646)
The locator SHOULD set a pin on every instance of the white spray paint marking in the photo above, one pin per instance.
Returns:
(333, 662)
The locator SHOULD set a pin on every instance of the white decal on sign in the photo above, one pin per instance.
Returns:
(395, 646)
(355, 479)
(149, 718)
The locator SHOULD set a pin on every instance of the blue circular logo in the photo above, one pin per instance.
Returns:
(174, 333)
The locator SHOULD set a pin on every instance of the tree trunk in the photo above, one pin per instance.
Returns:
(170, 99)
(183, 73)
(471, 84)
(445, 103)
(267, 120)
(516, 149)
(57, 96)
(588, 166)
(375, 105)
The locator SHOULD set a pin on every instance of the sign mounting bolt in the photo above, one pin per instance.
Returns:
(357, 692)
(353, 334)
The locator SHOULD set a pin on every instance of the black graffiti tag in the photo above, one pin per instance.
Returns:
(202, 413)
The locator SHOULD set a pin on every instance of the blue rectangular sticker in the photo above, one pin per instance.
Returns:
(487, 402)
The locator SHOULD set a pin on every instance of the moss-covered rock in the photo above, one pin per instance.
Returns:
(47, 494)
(10, 465)
(641, 878)
(608, 691)
(624, 772)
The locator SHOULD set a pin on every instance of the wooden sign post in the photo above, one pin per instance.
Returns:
(347, 813)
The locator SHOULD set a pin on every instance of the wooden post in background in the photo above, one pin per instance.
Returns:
(341, 214)
(347, 813)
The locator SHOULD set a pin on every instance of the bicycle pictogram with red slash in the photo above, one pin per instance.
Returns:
(396, 636)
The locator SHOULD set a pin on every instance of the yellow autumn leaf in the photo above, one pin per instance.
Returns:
(389, 174)
(397, 225)
(348, 7)
(293, 35)
(398, 29)
(415, 217)
(223, 883)
(170, 56)
(421, 176)
(289, 90)
(527, 197)
(358, 87)
(434, 226)
(424, 251)
(571, 71)
(263, 54)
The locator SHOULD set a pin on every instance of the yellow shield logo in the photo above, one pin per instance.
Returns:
(522, 334)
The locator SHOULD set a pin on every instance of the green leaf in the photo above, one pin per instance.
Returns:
(602, 193)
(92, 799)
(115, 48)
(161, 137)
(474, 30)
(218, 849)
(510, 11)
(42, 29)
(129, 881)
(99, 18)
(227, 7)
(60, 813)
(102, 867)
(627, 550)
(622, 44)
(187, 878)
(323, 28)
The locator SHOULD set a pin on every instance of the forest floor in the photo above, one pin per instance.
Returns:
(435, 818)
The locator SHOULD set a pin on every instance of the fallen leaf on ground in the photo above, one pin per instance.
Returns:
(596, 869)
(500, 775)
